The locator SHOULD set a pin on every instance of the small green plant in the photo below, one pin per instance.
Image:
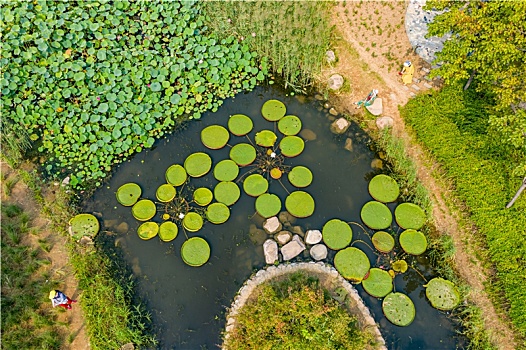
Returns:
(9, 184)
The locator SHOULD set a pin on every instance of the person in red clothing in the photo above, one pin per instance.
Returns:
(60, 299)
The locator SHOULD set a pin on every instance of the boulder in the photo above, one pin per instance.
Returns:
(308, 134)
(340, 125)
(283, 237)
(384, 122)
(122, 227)
(377, 163)
(298, 231)
(333, 111)
(270, 249)
(257, 235)
(318, 252)
(313, 237)
(335, 82)
(330, 56)
(376, 108)
(293, 248)
(272, 225)
(348, 144)
(286, 219)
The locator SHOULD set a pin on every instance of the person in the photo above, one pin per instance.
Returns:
(60, 299)
(407, 73)
(368, 100)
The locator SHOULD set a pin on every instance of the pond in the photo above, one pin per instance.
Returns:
(188, 303)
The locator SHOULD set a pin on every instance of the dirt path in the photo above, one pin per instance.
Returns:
(368, 27)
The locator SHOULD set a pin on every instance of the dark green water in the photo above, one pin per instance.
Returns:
(188, 304)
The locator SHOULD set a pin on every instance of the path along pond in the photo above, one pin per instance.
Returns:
(188, 304)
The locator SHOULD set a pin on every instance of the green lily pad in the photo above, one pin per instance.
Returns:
(384, 188)
(336, 234)
(217, 213)
(276, 173)
(291, 146)
(144, 210)
(300, 176)
(176, 175)
(226, 170)
(240, 124)
(192, 222)
(268, 205)
(255, 185)
(203, 196)
(128, 194)
(379, 283)
(83, 225)
(376, 215)
(273, 110)
(168, 231)
(165, 193)
(243, 154)
(289, 125)
(383, 241)
(399, 309)
(352, 264)
(400, 266)
(409, 215)
(442, 294)
(300, 204)
(215, 136)
(195, 251)
(227, 192)
(266, 138)
(198, 164)
(413, 242)
(148, 230)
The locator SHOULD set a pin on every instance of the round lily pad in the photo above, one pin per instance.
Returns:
(195, 251)
(227, 192)
(352, 264)
(83, 225)
(413, 242)
(255, 185)
(376, 215)
(217, 213)
(198, 164)
(268, 205)
(399, 309)
(273, 110)
(276, 173)
(226, 170)
(203, 196)
(144, 210)
(168, 231)
(240, 124)
(300, 204)
(384, 188)
(383, 241)
(409, 215)
(148, 230)
(442, 294)
(215, 136)
(266, 138)
(300, 176)
(336, 234)
(291, 146)
(176, 175)
(243, 154)
(289, 125)
(165, 193)
(400, 266)
(128, 194)
(378, 283)
(192, 222)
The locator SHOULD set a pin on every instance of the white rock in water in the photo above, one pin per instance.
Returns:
(283, 237)
(270, 249)
(272, 225)
(340, 126)
(293, 248)
(335, 82)
(313, 237)
(318, 252)
(348, 145)
(376, 108)
(384, 122)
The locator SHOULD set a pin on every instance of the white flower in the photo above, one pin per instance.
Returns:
(273, 155)
(181, 216)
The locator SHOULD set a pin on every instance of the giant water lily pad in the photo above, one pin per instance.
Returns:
(195, 251)
(291, 146)
(226, 170)
(268, 205)
(336, 234)
(83, 225)
(227, 192)
(168, 231)
(255, 185)
(376, 215)
(215, 136)
(192, 222)
(442, 294)
(399, 309)
(240, 124)
(409, 215)
(413, 242)
(273, 110)
(128, 194)
(289, 125)
(243, 154)
(352, 264)
(217, 213)
(300, 204)
(165, 193)
(176, 175)
(300, 176)
(203, 196)
(266, 138)
(198, 164)
(384, 188)
(148, 230)
(383, 241)
(378, 283)
(144, 210)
